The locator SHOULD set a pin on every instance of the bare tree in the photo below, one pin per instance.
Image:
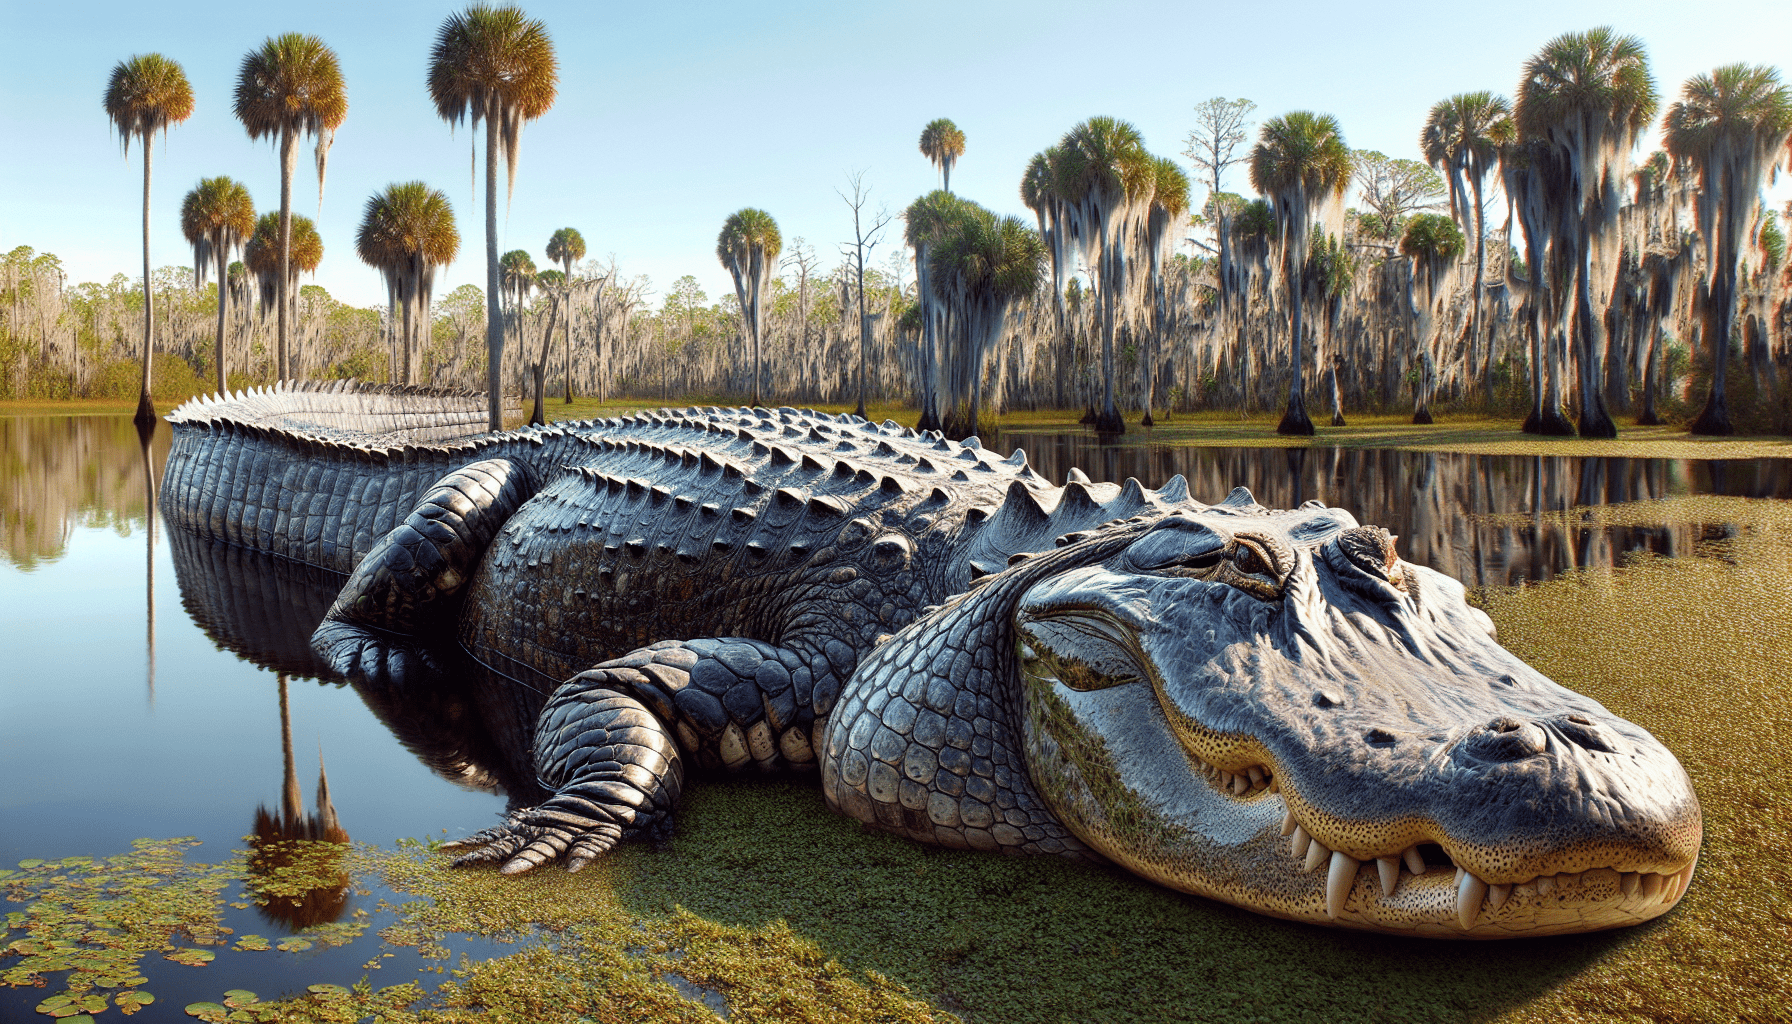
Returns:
(1213, 147)
(864, 240)
(1393, 187)
(801, 255)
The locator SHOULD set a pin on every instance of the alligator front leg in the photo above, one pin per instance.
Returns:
(409, 585)
(612, 742)
(613, 767)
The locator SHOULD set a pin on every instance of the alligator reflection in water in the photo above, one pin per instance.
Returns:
(1483, 519)
(265, 608)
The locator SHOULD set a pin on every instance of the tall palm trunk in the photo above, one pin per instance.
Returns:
(1595, 421)
(570, 311)
(1480, 343)
(1109, 422)
(146, 409)
(408, 301)
(494, 316)
(289, 162)
(1295, 420)
(223, 305)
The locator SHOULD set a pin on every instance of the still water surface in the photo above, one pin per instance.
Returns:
(136, 701)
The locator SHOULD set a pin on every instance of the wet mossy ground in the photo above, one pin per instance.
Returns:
(767, 906)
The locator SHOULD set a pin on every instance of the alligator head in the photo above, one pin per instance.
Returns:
(1272, 709)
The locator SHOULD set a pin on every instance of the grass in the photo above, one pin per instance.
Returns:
(791, 913)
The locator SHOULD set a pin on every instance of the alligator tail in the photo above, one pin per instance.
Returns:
(315, 471)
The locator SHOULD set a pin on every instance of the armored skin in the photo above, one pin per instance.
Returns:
(1267, 707)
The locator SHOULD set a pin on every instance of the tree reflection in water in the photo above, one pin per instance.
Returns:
(1484, 519)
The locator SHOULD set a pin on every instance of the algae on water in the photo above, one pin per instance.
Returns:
(769, 905)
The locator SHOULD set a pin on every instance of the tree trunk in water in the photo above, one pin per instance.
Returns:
(1295, 421)
(1720, 311)
(289, 156)
(1552, 422)
(538, 415)
(494, 317)
(1594, 420)
(146, 408)
(570, 312)
(1651, 368)
(223, 304)
(1108, 421)
(404, 376)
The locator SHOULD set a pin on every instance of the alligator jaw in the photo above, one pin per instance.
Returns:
(1385, 767)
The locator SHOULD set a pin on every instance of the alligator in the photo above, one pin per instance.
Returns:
(1265, 707)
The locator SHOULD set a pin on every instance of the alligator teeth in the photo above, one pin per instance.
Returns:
(1651, 887)
(1288, 824)
(1546, 884)
(1316, 855)
(1239, 785)
(1497, 895)
(1256, 774)
(1301, 841)
(1338, 882)
(1414, 862)
(1470, 891)
(1225, 779)
(1628, 883)
(1389, 867)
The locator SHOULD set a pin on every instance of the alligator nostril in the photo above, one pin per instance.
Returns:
(1506, 739)
(1580, 730)
(1380, 738)
(1327, 699)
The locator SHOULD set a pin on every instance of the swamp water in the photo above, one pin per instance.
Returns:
(152, 689)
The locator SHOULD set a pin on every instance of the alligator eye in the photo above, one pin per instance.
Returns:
(1249, 561)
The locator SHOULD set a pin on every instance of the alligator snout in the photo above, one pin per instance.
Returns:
(1506, 739)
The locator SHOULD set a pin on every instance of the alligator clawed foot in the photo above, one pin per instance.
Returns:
(540, 835)
(362, 655)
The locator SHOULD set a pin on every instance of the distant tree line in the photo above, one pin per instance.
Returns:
(1526, 265)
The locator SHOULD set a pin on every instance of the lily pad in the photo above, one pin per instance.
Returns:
(237, 998)
(293, 945)
(131, 1002)
(253, 943)
(329, 992)
(30, 863)
(192, 957)
(209, 1012)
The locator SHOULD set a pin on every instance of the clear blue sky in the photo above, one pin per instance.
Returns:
(671, 116)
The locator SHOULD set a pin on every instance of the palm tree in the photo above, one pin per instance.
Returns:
(942, 143)
(291, 86)
(1301, 164)
(748, 246)
(217, 218)
(1101, 178)
(1589, 97)
(979, 267)
(1730, 125)
(516, 278)
(1169, 201)
(1462, 138)
(566, 248)
(926, 221)
(1434, 243)
(305, 250)
(406, 232)
(497, 65)
(147, 94)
